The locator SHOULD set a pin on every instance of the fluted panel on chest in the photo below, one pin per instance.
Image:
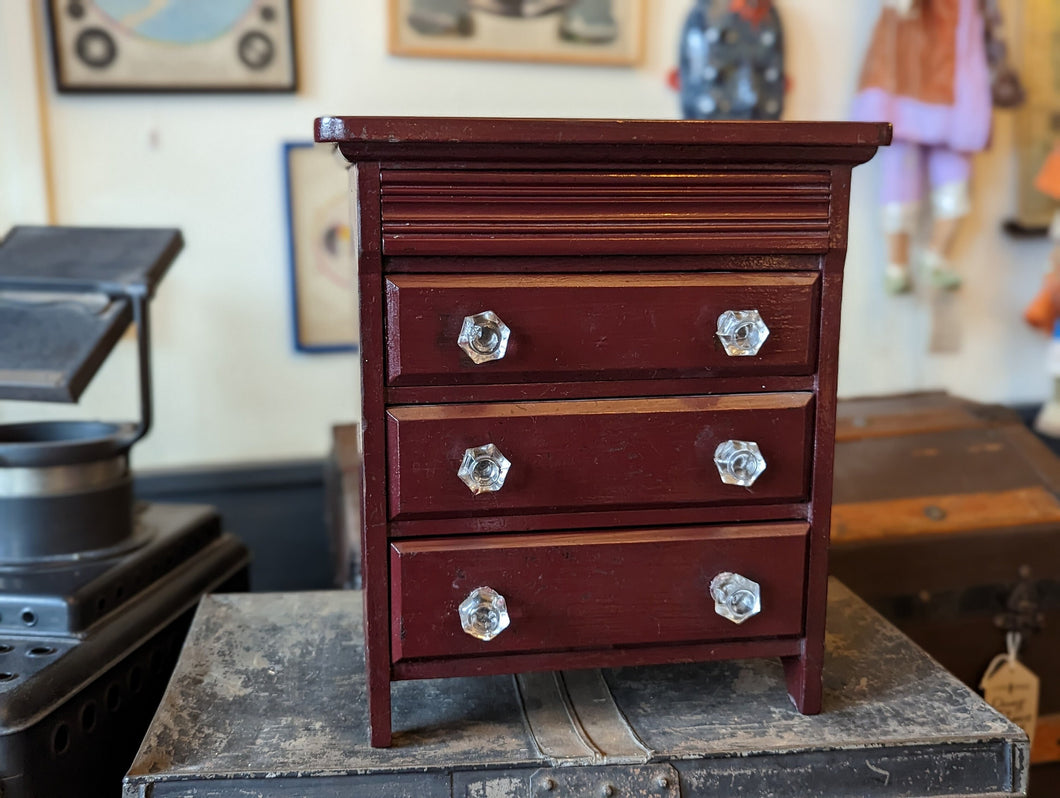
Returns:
(480, 212)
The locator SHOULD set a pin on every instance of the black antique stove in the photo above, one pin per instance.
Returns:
(96, 590)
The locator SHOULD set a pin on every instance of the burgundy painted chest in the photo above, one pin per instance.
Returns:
(599, 374)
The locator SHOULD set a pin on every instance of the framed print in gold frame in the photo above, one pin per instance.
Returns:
(602, 32)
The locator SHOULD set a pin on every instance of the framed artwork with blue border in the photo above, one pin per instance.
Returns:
(323, 273)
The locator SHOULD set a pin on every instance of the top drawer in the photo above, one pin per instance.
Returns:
(564, 328)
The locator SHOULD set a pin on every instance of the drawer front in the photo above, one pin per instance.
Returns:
(589, 327)
(591, 455)
(591, 590)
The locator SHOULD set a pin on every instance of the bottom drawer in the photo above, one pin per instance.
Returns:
(594, 590)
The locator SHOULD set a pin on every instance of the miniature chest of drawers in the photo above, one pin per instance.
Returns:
(598, 374)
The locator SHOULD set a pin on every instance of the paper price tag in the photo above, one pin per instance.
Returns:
(1012, 689)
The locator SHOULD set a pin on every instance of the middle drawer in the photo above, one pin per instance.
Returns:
(562, 328)
(446, 460)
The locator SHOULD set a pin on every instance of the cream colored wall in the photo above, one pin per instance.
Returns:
(228, 385)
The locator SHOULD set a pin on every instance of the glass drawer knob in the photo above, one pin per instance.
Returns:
(484, 337)
(742, 332)
(484, 469)
(484, 613)
(739, 462)
(735, 597)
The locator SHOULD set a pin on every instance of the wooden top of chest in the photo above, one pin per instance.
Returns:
(601, 140)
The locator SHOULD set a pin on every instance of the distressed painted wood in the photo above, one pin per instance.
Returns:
(268, 698)
(597, 327)
(636, 229)
(910, 414)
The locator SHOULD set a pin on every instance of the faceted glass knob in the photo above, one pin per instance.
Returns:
(484, 469)
(739, 462)
(484, 613)
(742, 332)
(735, 597)
(484, 337)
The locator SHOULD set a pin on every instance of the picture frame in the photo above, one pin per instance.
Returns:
(1037, 119)
(321, 249)
(590, 32)
(143, 46)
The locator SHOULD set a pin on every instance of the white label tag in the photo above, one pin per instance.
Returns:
(1012, 689)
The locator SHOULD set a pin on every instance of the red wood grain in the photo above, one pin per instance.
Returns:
(804, 674)
(605, 211)
(579, 142)
(602, 327)
(374, 469)
(446, 200)
(591, 590)
(483, 136)
(667, 516)
(611, 657)
(608, 454)
(600, 389)
(529, 262)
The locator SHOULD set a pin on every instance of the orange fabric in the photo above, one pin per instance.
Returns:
(915, 56)
(1043, 310)
(754, 11)
(1048, 179)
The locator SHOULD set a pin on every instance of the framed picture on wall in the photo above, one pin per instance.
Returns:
(1037, 123)
(172, 45)
(608, 32)
(322, 260)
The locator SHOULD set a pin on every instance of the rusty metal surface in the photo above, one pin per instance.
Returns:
(269, 699)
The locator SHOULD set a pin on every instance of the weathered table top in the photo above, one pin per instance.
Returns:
(268, 698)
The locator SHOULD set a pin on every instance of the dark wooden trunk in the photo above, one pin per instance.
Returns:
(946, 518)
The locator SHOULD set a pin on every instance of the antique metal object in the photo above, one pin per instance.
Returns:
(96, 590)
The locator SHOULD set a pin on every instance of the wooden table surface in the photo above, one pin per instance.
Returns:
(268, 698)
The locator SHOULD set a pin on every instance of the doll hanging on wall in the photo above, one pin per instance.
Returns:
(927, 72)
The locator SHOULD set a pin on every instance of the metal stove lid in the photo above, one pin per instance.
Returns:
(64, 302)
